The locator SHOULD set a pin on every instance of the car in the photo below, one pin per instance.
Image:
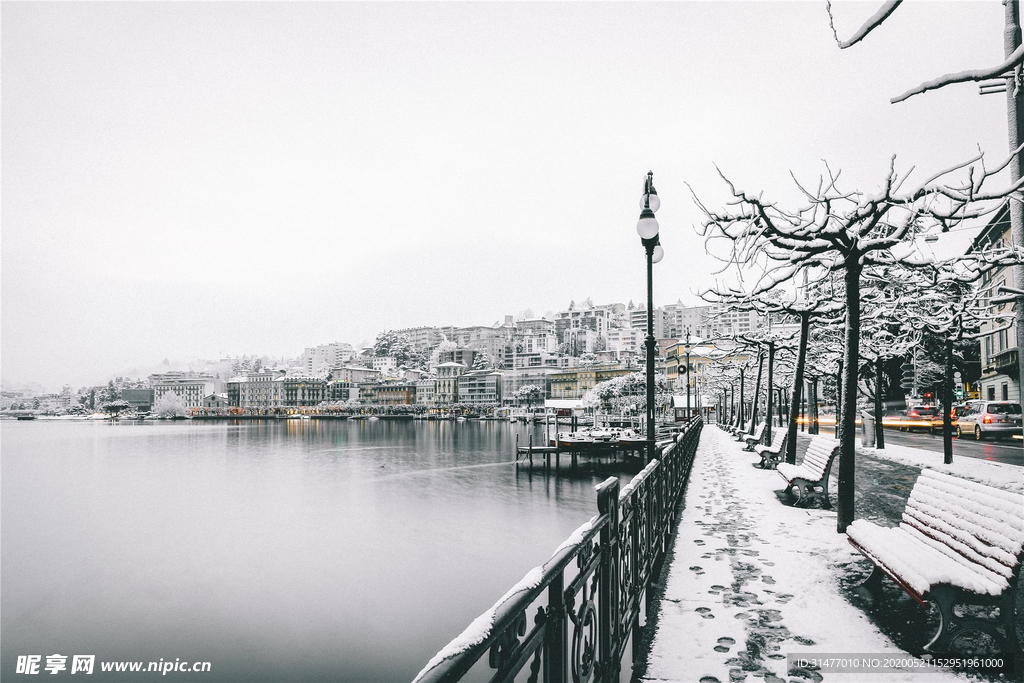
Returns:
(990, 418)
(954, 417)
(917, 417)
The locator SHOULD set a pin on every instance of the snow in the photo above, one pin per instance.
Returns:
(999, 475)
(953, 531)
(576, 536)
(753, 580)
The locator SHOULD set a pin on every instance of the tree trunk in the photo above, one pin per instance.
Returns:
(947, 405)
(757, 390)
(879, 432)
(798, 383)
(812, 408)
(1015, 121)
(839, 393)
(848, 418)
(769, 394)
(743, 413)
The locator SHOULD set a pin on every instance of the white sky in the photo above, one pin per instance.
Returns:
(198, 179)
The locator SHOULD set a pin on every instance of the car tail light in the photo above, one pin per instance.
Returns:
(987, 419)
(913, 413)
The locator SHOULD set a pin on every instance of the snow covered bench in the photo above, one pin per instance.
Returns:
(754, 438)
(771, 454)
(959, 542)
(811, 474)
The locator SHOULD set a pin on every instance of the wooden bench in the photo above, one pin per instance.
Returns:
(959, 542)
(771, 455)
(812, 473)
(754, 438)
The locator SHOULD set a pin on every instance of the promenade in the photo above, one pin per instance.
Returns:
(752, 580)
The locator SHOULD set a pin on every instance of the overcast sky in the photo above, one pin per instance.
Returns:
(200, 179)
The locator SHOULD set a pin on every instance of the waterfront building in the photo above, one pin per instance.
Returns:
(255, 391)
(480, 387)
(218, 400)
(367, 393)
(448, 382)
(319, 359)
(1000, 369)
(573, 383)
(301, 391)
(139, 399)
(341, 391)
(512, 381)
(395, 394)
(426, 392)
(190, 388)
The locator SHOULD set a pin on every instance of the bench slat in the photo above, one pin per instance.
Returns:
(999, 539)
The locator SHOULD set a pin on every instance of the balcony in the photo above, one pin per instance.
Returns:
(1006, 363)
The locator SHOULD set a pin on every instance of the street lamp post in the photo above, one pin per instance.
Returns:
(647, 228)
(686, 348)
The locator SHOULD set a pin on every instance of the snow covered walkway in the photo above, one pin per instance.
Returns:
(753, 580)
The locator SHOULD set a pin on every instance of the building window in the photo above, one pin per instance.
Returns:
(1006, 392)
(992, 393)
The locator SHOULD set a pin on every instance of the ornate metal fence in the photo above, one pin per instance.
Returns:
(585, 601)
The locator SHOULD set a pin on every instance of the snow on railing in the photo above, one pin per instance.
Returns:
(586, 598)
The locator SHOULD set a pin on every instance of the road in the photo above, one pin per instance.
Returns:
(1008, 451)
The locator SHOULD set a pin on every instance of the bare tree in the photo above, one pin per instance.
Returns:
(1007, 77)
(844, 232)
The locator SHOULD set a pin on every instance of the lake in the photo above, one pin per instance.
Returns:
(279, 550)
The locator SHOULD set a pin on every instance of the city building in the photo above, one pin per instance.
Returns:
(573, 383)
(190, 388)
(354, 374)
(385, 365)
(512, 381)
(317, 360)
(395, 394)
(301, 392)
(1000, 369)
(219, 400)
(585, 316)
(255, 391)
(426, 392)
(139, 399)
(448, 382)
(423, 338)
(342, 391)
(480, 387)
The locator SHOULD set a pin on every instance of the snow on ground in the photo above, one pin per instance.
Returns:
(753, 580)
(999, 474)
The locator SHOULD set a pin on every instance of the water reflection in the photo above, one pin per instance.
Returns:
(278, 550)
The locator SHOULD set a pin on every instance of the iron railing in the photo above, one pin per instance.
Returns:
(586, 599)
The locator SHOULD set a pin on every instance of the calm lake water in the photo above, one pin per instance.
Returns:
(278, 551)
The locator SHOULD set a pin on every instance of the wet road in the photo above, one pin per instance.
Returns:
(1002, 450)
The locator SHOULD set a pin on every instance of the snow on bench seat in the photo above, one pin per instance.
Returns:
(754, 438)
(958, 541)
(811, 474)
(771, 454)
(953, 532)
